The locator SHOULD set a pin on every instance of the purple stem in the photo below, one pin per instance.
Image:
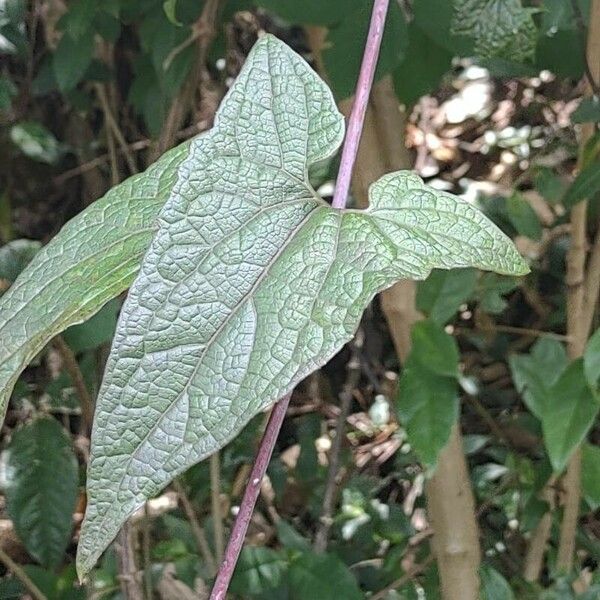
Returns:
(361, 99)
(265, 450)
(242, 520)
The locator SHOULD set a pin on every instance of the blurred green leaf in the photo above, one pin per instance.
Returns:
(8, 91)
(97, 330)
(15, 256)
(258, 570)
(427, 407)
(77, 21)
(424, 64)
(500, 28)
(493, 585)
(42, 488)
(427, 402)
(170, 8)
(585, 185)
(312, 12)
(443, 292)
(322, 576)
(569, 412)
(35, 141)
(434, 349)
(535, 373)
(591, 360)
(345, 42)
(71, 60)
(588, 111)
(590, 475)
(549, 185)
(290, 538)
(490, 291)
(523, 218)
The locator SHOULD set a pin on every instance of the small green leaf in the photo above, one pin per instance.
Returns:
(322, 576)
(35, 141)
(170, 8)
(549, 184)
(590, 475)
(523, 218)
(585, 185)
(535, 373)
(570, 410)
(591, 360)
(258, 571)
(427, 407)
(434, 349)
(233, 307)
(588, 111)
(71, 60)
(15, 256)
(500, 28)
(493, 585)
(443, 292)
(42, 488)
(491, 289)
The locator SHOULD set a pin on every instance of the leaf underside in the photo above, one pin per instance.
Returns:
(94, 258)
(252, 282)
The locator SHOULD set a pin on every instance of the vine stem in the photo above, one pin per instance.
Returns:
(267, 444)
(361, 99)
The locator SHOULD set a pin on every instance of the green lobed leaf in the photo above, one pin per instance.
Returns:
(427, 401)
(569, 412)
(42, 488)
(92, 259)
(535, 373)
(500, 28)
(252, 282)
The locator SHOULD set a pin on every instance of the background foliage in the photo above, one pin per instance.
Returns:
(91, 92)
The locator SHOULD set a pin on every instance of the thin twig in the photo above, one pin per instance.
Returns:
(116, 130)
(215, 498)
(20, 574)
(146, 553)
(197, 530)
(242, 520)
(361, 99)
(72, 367)
(128, 571)
(365, 81)
(331, 485)
(576, 282)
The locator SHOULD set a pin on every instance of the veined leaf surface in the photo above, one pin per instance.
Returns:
(252, 282)
(92, 259)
